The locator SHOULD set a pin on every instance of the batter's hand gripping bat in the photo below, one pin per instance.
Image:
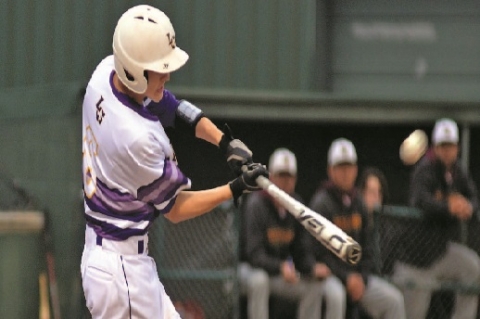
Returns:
(332, 237)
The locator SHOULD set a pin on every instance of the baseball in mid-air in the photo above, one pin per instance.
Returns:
(413, 147)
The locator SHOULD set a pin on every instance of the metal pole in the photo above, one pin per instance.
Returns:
(465, 160)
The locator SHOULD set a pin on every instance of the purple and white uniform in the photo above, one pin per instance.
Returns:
(130, 172)
(130, 176)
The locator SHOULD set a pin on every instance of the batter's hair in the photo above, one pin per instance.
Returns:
(374, 171)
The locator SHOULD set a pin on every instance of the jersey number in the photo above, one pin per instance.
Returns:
(90, 149)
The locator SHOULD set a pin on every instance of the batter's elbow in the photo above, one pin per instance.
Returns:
(173, 217)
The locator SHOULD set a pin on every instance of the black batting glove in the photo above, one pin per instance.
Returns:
(236, 152)
(246, 182)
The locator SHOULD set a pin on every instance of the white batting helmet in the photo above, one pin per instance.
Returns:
(144, 39)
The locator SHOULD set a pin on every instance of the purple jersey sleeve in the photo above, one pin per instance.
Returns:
(163, 191)
(165, 109)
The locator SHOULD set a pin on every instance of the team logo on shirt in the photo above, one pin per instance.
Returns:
(278, 236)
(100, 111)
(349, 223)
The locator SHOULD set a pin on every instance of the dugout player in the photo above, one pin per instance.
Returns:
(446, 195)
(276, 253)
(130, 174)
(340, 202)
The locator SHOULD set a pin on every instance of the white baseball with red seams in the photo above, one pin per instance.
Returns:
(413, 147)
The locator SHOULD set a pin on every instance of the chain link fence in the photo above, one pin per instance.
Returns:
(399, 233)
(197, 261)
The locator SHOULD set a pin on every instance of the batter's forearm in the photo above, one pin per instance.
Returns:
(208, 131)
(190, 204)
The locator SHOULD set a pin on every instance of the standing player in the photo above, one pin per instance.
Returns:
(129, 169)
(445, 194)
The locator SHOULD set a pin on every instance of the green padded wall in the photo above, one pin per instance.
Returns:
(410, 49)
(49, 48)
(242, 44)
(41, 149)
(19, 270)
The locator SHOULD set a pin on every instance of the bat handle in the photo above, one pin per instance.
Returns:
(262, 181)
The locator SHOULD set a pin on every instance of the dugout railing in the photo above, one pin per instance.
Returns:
(391, 227)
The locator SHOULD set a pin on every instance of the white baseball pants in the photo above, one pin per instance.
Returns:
(120, 281)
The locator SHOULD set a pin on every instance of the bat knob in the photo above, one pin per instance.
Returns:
(353, 254)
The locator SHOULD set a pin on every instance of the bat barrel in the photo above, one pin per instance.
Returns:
(353, 253)
(331, 236)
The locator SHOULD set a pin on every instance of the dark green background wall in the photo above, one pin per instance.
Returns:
(352, 52)
(407, 48)
(40, 149)
(250, 44)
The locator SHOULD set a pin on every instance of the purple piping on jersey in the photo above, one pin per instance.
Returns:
(166, 109)
(112, 232)
(113, 203)
(165, 187)
(128, 102)
(121, 206)
(109, 231)
(124, 206)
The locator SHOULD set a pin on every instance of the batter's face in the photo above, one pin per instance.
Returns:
(156, 85)
(343, 175)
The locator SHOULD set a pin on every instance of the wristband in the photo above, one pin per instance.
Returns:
(189, 113)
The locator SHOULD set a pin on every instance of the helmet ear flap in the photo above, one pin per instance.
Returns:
(137, 82)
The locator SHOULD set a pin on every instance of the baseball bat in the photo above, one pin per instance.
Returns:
(51, 273)
(28, 202)
(327, 233)
(44, 312)
(48, 250)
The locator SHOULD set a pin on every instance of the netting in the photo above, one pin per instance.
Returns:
(196, 261)
(399, 234)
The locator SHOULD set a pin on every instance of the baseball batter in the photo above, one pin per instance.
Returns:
(130, 175)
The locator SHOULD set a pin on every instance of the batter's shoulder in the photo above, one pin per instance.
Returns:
(145, 147)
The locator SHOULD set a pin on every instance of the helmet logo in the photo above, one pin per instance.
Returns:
(171, 40)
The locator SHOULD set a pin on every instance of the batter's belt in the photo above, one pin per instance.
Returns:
(135, 245)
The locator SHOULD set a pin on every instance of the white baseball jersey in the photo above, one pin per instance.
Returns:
(130, 175)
